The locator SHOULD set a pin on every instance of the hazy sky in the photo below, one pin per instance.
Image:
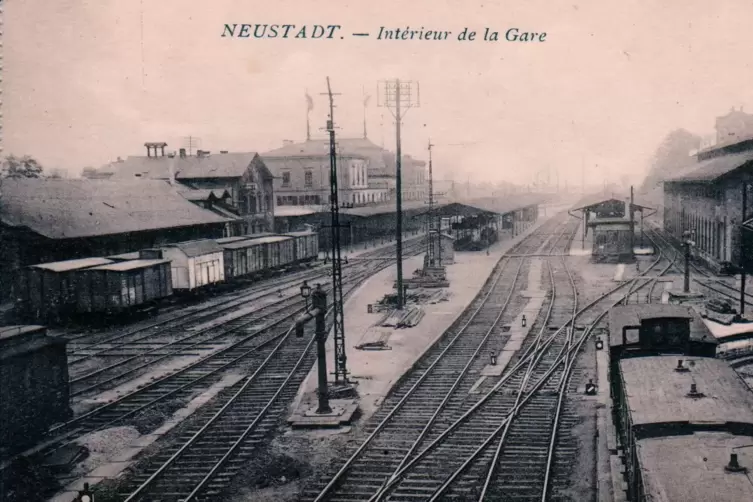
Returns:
(87, 81)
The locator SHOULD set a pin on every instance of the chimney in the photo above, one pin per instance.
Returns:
(202, 153)
(694, 391)
(223, 151)
(287, 142)
(171, 171)
(182, 153)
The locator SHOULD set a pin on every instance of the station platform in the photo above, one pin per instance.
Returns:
(376, 371)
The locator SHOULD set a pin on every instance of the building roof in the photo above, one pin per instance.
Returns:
(197, 248)
(65, 266)
(124, 266)
(712, 169)
(389, 207)
(11, 331)
(630, 316)
(598, 199)
(202, 194)
(67, 208)
(690, 468)
(657, 394)
(220, 165)
(491, 205)
(286, 211)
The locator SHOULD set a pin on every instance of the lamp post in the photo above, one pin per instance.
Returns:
(305, 293)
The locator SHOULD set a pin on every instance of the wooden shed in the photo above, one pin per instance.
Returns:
(195, 264)
(612, 240)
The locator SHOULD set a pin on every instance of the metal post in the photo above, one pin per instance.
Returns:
(742, 249)
(632, 222)
(686, 284)
(399, 200)
(319, 302)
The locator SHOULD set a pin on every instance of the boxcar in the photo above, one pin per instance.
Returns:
(33, 384)
(122, 286)
(195, 264)
(306, 245)
(243, 258)
(279, 250)
(48, 290)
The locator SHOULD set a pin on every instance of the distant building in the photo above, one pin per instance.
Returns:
(734, 127)
(366, 173)
(44, 220)
(243, 176)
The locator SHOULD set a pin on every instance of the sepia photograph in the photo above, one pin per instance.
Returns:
(343, 251)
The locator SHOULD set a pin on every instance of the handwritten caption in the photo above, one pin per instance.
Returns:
(336, 31)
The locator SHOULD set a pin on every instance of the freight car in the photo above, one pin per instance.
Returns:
(678, 410)
(123, 286)
(306, 246)
(33, 385)
(48, 291)
(195, 264)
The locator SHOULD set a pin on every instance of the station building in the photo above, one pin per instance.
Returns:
(711, 197)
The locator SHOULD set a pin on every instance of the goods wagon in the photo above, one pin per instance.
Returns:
(306, 245)
(49, 290)
(124, 285)
(195, 264)
(243, 257)
(33, 384)
(279, 250)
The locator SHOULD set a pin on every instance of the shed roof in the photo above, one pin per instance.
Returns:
(691, 468)
(60, 209)
(221, 165)
(657, 394)
(286, 211)
(65, 266)
(590, 201)
(712, 169)
(629, 316)
(11, 331)
(125, 266)
(197, 247)
(201, 194)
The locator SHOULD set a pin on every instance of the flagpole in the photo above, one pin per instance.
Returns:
(308, 115)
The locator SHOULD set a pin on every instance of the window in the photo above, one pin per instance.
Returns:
(308, 179)
(279, 200)
(286, 179)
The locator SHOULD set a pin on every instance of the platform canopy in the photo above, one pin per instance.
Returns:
(595, 201)
(490, 205)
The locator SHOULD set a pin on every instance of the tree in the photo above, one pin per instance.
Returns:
(20, 167)
(671, 156)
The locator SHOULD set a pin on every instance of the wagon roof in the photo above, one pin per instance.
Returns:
(691, 467)
(11, 331)
(64, 266)
(197, 248)
(256, 242)
(657, 394)
(301, 232)
(124, 266)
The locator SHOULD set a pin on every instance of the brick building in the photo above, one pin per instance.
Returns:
(706, 197)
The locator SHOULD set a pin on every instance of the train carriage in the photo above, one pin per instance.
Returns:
(48, 290)
(195, 264)
(122, 286)
(279, 250)
(306, 245)
(243, 257)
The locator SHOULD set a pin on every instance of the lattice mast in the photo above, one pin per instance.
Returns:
(341, 372)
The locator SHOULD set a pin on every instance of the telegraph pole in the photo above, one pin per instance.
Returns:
(341, 372)
(399, 95)
(742, 247)
(632, 222)
(435, 258)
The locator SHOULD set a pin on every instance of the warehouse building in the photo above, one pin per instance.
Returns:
(46, 220)
(707, 197)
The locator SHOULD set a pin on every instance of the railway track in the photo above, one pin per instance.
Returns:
(497, 445)
(185, 382)
(184, 473)
(138, 358)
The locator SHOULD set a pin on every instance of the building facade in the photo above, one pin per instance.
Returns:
(366, 173)
(734, 127)
(706, 198)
